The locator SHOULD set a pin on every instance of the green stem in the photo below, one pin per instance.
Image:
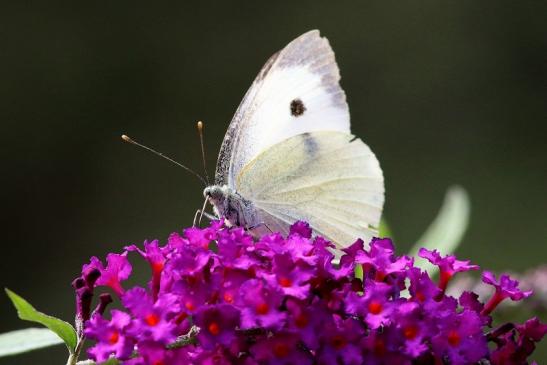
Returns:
(73, 358)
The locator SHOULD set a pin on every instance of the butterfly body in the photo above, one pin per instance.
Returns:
(289, 153)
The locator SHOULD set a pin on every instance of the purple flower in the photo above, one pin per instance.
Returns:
(176, 242)
(374, 306)
(297, 245)
(190, 261)
(230, 282)
(302, 229)
(218, 296)
(192, 293)
(505, 288)
(412, 329)
(156, 259)
(260, 306)
(233, 247)
(156, 354)
(379, 349)
(532, 329)
(448, 265)
(218, 356)
(422, 289)
(153, 320)
(340, 341)
(300, 249)
(381, 261)
(117, 270)
(460, 339)
(325, 268)
(306, 320)
(110, 335)
(515, 344)
(280, 349)
(217, 325)
(202, 237)
(291, 279)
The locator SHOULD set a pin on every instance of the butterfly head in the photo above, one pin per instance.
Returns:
(216, 193)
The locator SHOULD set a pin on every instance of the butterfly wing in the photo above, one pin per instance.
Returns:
(330, 179)
(296, 91)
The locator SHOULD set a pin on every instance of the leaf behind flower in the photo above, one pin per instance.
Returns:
(16, 342)
(446, 231)
(28, 313)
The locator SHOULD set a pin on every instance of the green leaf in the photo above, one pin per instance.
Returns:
(384, 230)
(447, 229)
(27, 312)
(359, 271)
(29, 339)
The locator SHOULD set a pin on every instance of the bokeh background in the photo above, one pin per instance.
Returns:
(443, 92)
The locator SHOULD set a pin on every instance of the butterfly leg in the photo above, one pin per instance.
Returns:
(261, 224)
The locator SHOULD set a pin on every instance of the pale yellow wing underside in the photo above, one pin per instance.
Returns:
(330, 179)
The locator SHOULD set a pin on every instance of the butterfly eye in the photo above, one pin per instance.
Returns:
(297, 107)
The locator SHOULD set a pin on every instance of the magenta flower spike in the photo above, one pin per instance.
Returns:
(218, 296)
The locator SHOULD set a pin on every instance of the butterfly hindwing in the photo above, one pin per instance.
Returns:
(330, 179)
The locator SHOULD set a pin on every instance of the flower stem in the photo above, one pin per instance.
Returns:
(73, 358)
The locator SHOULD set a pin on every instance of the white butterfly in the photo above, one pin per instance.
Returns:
(289, 154)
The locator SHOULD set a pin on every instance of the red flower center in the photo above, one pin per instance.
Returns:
(262, 308)
(285, 282)
(375, 307)
(420, 296)
(214, 328)
(379, 347)
(157, 266)
(444, 278)
(453, 338)
(181, 317)
(190, 305)
(380, 276)
(301, 321)
(280, 350)
(114, 337)
(410, 332)
(338, 342)
(228, 297)
(151, 319)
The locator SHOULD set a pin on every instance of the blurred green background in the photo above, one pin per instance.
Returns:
(443, 92)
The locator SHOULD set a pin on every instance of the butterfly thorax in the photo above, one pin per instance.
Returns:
(230, 205)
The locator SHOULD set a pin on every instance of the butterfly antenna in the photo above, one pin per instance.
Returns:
(202, 211)
(129, 140)
(200, 131)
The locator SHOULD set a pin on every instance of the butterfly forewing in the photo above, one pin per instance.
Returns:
(297, 91)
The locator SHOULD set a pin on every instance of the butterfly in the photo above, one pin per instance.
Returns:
(289, 155)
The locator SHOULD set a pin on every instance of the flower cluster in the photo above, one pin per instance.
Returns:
(218, 296)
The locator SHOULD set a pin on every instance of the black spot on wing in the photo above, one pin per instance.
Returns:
(297, 108)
